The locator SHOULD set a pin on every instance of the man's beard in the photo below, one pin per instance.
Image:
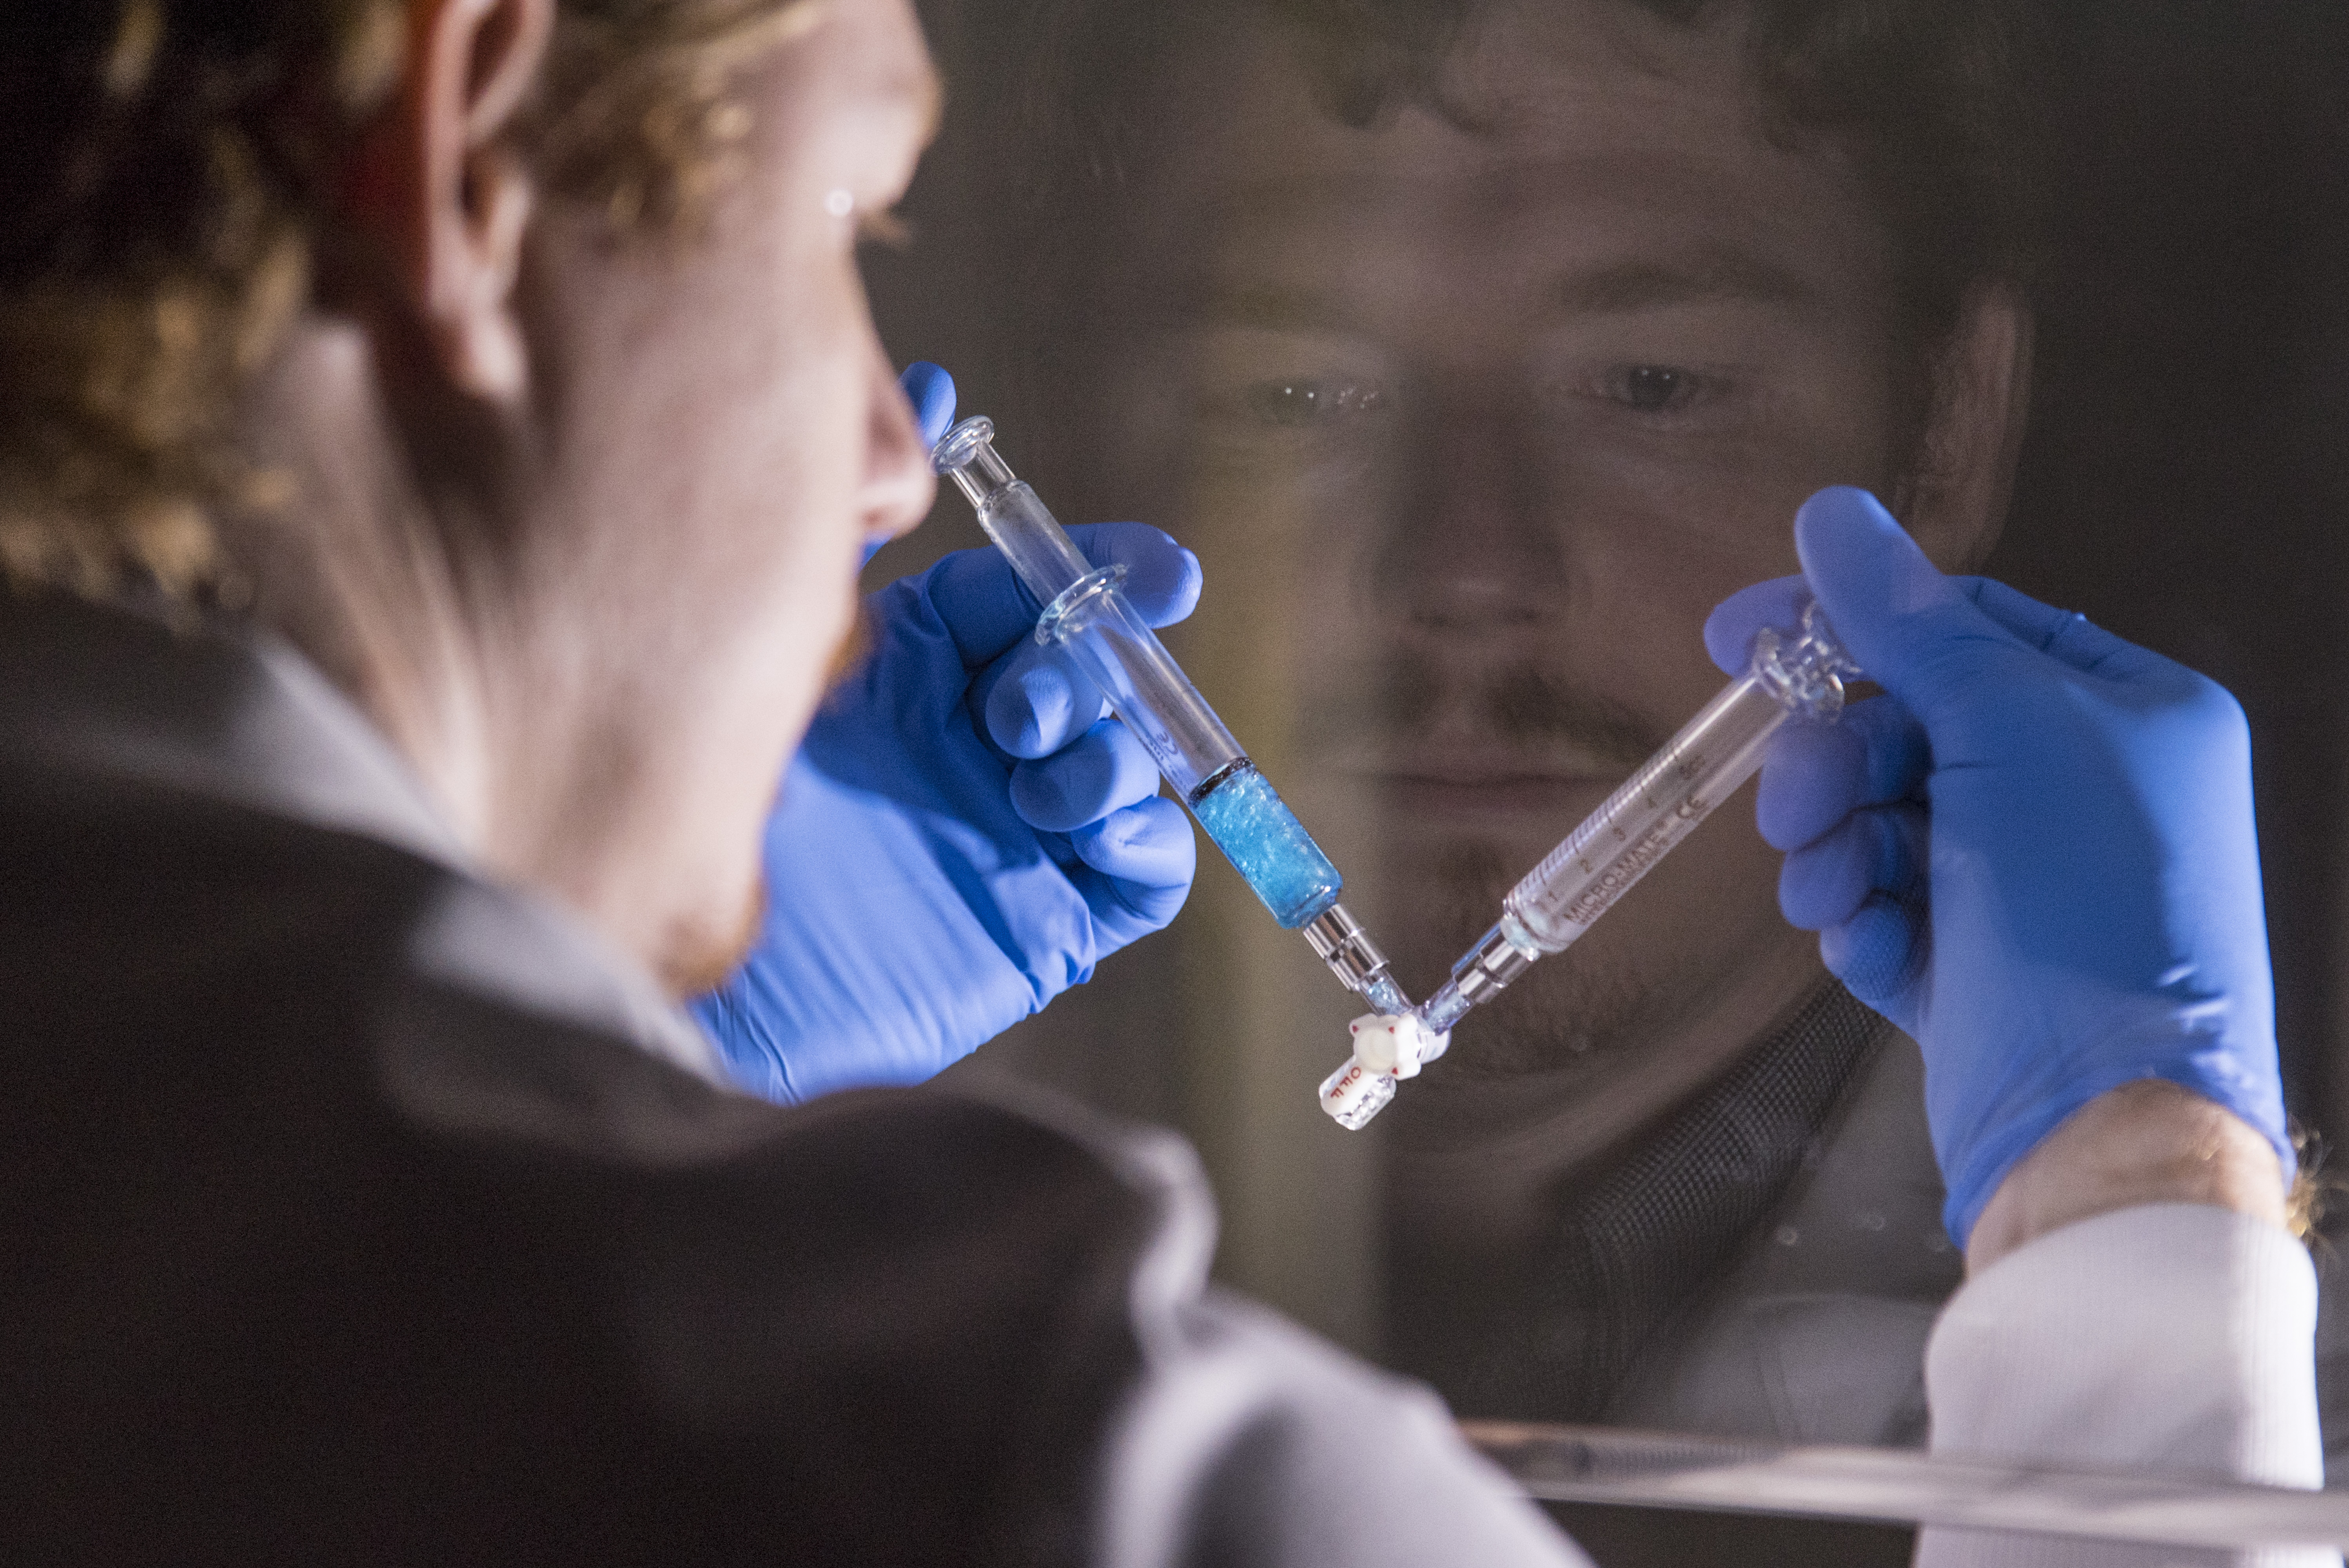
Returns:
(848, 655)
(1404, 696)
(1573, 1011)
(702, 955)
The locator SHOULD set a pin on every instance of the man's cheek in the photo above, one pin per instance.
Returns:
(1648, 596)
(1704, 515)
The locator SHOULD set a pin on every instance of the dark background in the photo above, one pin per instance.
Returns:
(2183, 481)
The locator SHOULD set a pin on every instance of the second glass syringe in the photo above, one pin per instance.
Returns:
(1086, 615)
(1793, 673)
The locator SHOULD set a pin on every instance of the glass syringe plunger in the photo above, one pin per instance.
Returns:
(1085, 613)
(1797, 674)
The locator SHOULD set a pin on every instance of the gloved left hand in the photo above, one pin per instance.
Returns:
(2036, 853)
(963, 835)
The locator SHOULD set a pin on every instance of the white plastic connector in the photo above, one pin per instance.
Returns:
(1395, 1046)
(1387, 1047)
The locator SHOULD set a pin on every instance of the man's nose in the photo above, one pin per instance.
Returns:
(898, 484)
(1469, 551)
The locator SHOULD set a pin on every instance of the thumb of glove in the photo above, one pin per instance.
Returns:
(1913, 630)
(931, 391)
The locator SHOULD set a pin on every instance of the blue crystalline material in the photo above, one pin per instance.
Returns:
(1269, 846)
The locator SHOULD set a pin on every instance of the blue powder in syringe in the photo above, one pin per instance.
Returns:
(1269, 847)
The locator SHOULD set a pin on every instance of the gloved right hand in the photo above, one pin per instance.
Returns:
(961, 838)
(2035, 854)
(964, 833)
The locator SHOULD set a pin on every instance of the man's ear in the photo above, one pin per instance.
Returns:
(1955, 500)
(446, 201)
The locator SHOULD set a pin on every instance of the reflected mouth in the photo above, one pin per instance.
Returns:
(1459, 781)
(1515, 747)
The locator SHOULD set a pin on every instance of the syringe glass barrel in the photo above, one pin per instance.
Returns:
(1085, 613)
(1792, 674)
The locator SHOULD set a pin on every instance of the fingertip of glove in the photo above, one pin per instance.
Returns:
(1177, 600)
(1161, 824)
(1837, 526)
(1860, 562)
(1873, 953)
(1844, 506)
(932, 392)
(1811, 782)
(1148, 844)
(1164, 578)
(1030, 710)
(1824, 884)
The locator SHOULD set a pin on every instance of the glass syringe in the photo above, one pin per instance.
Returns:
(1085, 613)
(1797, 674)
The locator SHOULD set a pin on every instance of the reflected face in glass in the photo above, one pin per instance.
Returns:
(1504, 391)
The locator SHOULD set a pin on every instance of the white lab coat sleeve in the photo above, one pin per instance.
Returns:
(2175, 1339)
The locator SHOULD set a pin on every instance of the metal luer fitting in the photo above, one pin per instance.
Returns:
(1346, 948)
(1498, 959)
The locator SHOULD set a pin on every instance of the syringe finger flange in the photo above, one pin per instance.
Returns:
(1067, 613)
(1804, 669)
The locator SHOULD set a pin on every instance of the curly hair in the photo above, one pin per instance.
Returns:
(163, 175)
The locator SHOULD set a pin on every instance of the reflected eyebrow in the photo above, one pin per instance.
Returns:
(1717, 274)
(1270, 306)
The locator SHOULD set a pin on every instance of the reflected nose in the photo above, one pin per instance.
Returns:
(898, 485)
(1469, 553)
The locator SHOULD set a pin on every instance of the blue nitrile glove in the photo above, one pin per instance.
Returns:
(929, 886)
(2036, 853)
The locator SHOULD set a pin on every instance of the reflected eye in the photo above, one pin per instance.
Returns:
(1296, 403)
(1652, 388)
